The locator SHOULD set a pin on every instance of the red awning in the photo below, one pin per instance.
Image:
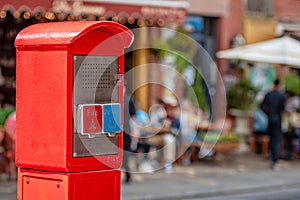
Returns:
(143, 9)
(27, 5)
(152, 9)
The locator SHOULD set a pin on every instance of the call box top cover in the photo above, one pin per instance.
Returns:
(64, 33)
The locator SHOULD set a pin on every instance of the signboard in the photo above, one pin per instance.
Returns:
(111, 118)
(166, 10)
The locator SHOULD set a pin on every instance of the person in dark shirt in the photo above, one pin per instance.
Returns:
(129, 112)
(274, 104)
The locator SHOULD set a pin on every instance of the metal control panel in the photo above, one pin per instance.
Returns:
(96, 110)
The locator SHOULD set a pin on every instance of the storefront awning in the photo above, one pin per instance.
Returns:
(282, 51)
(171, 11)
(25, 5)
(142, 9)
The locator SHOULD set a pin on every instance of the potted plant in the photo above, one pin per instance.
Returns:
(223, 143)
(241, 95)
(214, 137)
(241, 102)
(292, 83)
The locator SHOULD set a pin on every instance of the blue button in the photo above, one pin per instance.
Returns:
(111, 118)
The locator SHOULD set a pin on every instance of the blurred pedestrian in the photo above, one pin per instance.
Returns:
(7, 142)
(139, 143)
(156, 113)
(129, 112)
(142, 120)
(260, 122)
(2, 152)
(165, 136)
(10, 129)
(290, 124)
(260, 127)
(189, 122)
(274, 105)
(160, 133)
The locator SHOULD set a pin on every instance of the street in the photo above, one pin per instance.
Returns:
(245, 178)
(275, 194)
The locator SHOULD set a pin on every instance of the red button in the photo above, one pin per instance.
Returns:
(92, 119)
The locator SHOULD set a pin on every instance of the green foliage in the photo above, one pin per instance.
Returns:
(183, 49)
(182, 45)
(4, 113)
(292, 83)
(161, 48)
(198, 91)
(212, 137)
(179, 46)
(241, 95)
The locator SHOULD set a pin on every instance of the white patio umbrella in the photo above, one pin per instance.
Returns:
(284, 50)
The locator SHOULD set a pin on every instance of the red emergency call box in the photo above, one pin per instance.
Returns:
(70, 95)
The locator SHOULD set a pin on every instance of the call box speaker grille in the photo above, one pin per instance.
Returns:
(95, 79)
(96, 75)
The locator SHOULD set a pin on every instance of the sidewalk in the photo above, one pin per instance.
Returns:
(8, 190)
(245, 173)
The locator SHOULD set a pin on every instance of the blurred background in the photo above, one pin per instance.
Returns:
(228, 52)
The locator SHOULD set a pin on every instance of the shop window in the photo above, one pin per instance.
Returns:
(10, 26)
(262, 7)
